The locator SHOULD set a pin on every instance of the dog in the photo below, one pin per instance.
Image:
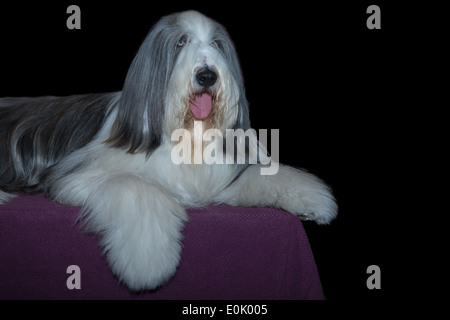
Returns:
(111, 153)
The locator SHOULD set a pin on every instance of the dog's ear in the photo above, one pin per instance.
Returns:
(229, 53)
(243, 118)
(139, 123)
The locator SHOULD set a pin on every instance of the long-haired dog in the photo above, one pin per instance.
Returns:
(111, 153)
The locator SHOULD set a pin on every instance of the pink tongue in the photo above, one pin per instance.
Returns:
(201, 106)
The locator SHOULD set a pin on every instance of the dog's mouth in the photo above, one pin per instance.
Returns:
(201, 105)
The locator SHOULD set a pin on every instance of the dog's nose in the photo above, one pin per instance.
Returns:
(206, 77)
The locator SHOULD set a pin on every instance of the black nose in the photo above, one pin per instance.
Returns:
(206, 77)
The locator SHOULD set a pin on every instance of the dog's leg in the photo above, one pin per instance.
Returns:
(140, 227)
(293, 190)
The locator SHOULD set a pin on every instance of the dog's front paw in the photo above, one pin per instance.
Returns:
(305, 195)
(141, 230)
(144, 255)
(141, 265)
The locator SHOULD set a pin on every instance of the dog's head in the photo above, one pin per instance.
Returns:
(186, 70)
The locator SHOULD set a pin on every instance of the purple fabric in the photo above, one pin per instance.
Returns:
(228, 253)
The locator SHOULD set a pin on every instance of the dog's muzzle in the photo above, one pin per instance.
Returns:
(201, 103)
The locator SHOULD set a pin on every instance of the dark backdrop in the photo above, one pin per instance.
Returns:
(313, 71)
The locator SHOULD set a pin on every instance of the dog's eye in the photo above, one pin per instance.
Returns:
(181, 42)
(217, 44)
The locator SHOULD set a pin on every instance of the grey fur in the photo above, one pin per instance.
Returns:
(35, 133)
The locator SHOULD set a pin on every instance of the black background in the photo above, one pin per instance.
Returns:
(313, 70)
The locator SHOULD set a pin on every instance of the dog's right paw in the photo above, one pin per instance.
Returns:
(141, 230)
(142, 265)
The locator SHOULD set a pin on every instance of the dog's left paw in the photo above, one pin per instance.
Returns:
(305, 195)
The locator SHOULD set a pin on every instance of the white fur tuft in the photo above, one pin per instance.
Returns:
(5, 197)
